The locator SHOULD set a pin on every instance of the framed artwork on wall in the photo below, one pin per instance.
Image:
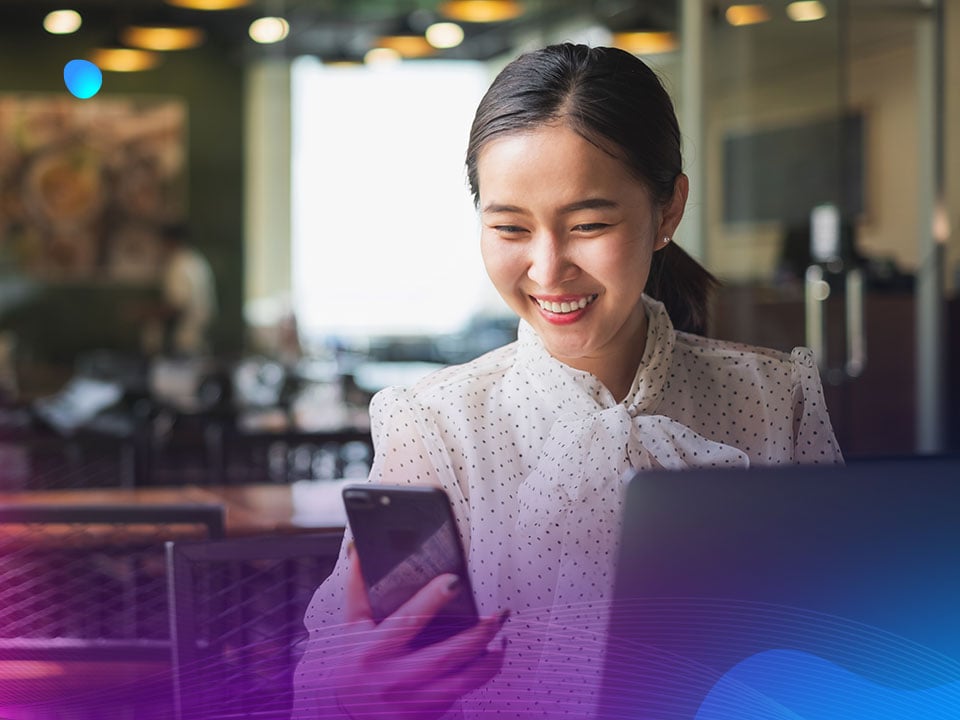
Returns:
(85, 186)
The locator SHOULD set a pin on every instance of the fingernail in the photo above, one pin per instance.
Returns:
(503, 617)
(453, 586)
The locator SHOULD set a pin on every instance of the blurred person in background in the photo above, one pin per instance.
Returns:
(180, 325)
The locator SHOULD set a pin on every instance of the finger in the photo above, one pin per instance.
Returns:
(357, 604)
(449, 655)
(441, 694)
(475, 675)
(411, 617)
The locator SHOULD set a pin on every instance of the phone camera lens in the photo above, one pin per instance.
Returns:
(359, 499)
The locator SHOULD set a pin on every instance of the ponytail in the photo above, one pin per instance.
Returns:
(683, 286)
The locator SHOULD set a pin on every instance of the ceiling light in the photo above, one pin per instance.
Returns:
(806, 10)
(209, 4)
(268, 30)
(408, 46)
(444, 35)
(62, 22)
(739, 15)
(381, 56)
(481, 11)
(124, 59)
(157, 37)
(646, 42)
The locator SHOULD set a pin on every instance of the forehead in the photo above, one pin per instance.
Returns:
(551, 162)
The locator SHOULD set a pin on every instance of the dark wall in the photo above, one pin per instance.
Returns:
(210, 80)
(781, 174)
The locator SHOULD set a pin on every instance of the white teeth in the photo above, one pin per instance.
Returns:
(566, 307)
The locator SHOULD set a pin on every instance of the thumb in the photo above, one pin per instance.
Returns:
(357, 604)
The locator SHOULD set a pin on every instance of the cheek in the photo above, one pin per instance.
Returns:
(629, 263)
(489, 257)
(502, 265)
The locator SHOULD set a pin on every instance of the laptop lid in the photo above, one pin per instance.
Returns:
(797, 592)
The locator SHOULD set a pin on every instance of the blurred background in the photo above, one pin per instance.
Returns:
(262, 218)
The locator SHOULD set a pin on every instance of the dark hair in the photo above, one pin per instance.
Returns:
(613, 100)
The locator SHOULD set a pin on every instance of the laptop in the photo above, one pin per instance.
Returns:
(808, 593)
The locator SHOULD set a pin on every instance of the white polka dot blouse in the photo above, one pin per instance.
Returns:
(534, 456)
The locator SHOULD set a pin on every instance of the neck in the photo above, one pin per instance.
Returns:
(617, 367)
(618, 376)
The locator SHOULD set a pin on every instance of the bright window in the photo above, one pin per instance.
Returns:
(385, 235)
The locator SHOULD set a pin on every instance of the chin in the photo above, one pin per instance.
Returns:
(568, 351)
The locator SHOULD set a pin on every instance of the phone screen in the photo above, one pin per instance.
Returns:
(405, 537)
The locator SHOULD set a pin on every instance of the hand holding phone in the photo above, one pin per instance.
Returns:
(418, 658)
(405, 537)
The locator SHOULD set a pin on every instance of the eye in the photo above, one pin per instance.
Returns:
(590, 227)
(509, 229)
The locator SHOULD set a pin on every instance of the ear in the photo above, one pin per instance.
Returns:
(673, 211)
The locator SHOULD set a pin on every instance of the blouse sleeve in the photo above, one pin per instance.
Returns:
(408, 451)
(813, 438)
(412, 449)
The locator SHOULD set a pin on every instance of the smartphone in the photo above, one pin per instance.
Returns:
(405, 536)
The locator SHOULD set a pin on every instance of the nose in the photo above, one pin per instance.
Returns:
(549, 263)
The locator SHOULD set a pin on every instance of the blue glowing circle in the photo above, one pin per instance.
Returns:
(83, 78)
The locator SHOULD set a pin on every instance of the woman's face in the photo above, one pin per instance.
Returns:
(567, 238)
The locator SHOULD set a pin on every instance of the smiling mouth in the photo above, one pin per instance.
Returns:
(562, 308)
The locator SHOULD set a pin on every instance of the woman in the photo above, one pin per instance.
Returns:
(574, 163)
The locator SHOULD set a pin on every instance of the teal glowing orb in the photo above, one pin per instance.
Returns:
(83, 78)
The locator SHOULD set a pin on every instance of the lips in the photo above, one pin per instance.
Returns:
(565, 305)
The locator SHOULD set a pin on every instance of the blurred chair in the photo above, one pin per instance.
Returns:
(284, 457)
(236, 617)
(88, 582)
(184, 448)
(83, 596)
(36, 458)
(83, 435)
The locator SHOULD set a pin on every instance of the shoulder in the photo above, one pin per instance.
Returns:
(766, 402)
(447, 414)
(727, 354)
(760, 368)
(453, 385)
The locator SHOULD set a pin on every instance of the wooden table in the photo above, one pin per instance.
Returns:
(47, 690)
(250, 509)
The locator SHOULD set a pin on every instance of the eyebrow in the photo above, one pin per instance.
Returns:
(590, 204)
(497, 208)
(587, 204)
